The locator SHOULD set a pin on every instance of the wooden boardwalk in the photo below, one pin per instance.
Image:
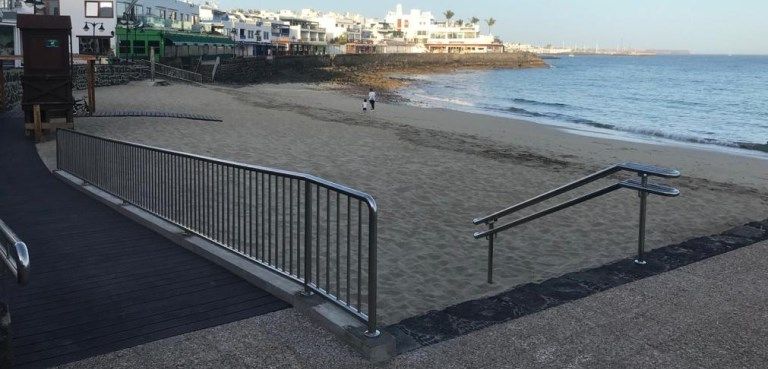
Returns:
(100, 282)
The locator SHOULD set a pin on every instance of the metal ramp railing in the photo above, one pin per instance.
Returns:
(14, 254)
(641, 186)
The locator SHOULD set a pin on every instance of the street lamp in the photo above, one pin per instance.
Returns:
(101, 29)
(234, 42)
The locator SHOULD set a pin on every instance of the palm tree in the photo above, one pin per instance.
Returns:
(491, 22)
(474, 20)
(460, 22)
(449, 14)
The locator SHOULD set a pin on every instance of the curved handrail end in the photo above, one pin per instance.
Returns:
(22, 263)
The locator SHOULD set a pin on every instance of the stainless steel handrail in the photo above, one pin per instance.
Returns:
(14, 254)
(642, 187)
(73, 156)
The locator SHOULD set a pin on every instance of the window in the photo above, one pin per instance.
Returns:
(139, 47)
(125, 47)
(93, 45)
(250, 34)
(154, 45)
(149, 10)
(52, 7)
(99, 9)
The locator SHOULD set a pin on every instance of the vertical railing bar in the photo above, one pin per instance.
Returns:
(290, 226)
(263, 218)
(327, 240)
(338, 252)
(250, 213)
(349, 249)
(219, 203)
(317, 236)
(282, 258)
(307, 237)
(298, 229)
(269, 220)
(359, 252)
(256, 210)
(372, 272)
(239, 213)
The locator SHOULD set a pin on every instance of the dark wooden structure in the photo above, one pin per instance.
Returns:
(47, 80)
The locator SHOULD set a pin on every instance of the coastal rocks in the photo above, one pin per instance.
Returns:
(360, 69)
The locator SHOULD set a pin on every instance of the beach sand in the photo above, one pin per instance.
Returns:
(432, 171)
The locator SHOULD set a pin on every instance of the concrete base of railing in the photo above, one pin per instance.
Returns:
(319, 310)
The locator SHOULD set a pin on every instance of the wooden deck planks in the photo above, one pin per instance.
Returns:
(101, 282)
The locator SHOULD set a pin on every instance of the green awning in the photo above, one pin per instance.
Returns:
(197, 39)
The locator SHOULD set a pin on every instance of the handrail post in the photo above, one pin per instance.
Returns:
(640, 260)
(307, 238)
(490, 252)
(372, 274)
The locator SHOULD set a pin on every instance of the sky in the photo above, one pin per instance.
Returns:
(701, 26)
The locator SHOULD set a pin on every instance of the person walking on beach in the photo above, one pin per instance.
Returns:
(365, 105)
(372, 98)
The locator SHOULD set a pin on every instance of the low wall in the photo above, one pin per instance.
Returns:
(12, 88)
(106, 75)
(391, 61)
(316, 68)
(109, 74)
(259, 69)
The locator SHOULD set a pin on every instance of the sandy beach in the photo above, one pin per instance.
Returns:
(432, 171)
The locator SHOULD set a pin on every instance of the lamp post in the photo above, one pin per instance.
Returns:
(101, 29)
(234, 42)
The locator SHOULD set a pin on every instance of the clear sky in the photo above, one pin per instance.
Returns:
(702, 26)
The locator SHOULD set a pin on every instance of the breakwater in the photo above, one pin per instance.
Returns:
(347, 67)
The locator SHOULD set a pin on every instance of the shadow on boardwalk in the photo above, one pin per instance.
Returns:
(99, 281)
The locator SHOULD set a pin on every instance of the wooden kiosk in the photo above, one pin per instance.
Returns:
(47, 99)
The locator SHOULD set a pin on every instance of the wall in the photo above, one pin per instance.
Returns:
(326, 67)
(12, 88)
(109, 75)
(106, 75)
(280, 69)
(390, 61)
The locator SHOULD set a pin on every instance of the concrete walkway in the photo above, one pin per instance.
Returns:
(709, 314)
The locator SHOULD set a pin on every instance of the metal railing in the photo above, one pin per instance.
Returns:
(642, 187)
(173, 73)
(304, 228)
(14, 254)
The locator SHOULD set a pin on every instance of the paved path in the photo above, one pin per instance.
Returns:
(710, 314)
(100, 282)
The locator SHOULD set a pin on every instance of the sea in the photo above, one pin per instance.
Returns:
(717, 101)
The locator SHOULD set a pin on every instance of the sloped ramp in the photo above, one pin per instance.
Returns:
(101, 282)
(155, 114)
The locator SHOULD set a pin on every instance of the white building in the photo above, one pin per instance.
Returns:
(413, 26)
(420, 27)
(10, 37)
(93, 25)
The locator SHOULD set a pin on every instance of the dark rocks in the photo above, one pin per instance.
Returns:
(460, 319)
(748, 232)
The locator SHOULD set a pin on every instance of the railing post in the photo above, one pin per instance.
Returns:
(490, 253)
(640, 260)
(307, 238)
(372, 274)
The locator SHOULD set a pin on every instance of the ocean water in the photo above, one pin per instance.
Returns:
(717, 100)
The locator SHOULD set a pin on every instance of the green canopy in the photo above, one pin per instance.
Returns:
(197, 39)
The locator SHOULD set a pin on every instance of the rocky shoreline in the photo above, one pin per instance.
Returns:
(363, 71)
